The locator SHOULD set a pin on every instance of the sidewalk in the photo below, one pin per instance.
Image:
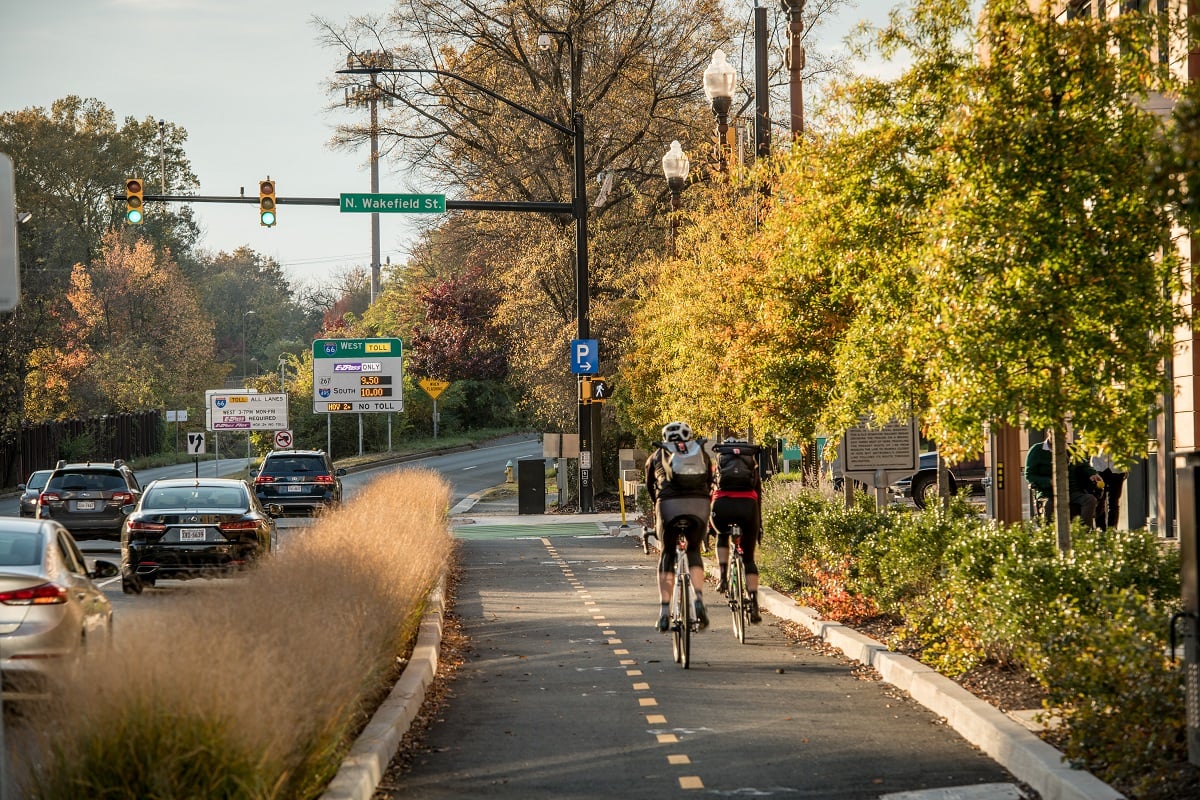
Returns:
(1009, 742)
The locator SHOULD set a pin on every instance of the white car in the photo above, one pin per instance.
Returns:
(51, 610)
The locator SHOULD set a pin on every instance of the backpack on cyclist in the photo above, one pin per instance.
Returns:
(685, 468)
(735, 470)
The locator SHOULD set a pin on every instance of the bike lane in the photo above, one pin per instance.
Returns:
(567, 691)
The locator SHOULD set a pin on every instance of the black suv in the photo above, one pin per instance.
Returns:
(89, 499)
(921, 486)
(300, 482)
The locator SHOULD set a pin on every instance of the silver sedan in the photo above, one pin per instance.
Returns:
(51, 610)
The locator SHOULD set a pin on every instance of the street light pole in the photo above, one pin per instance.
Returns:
(719, 80)
(795, 62)
(579, 209)
(676, 166)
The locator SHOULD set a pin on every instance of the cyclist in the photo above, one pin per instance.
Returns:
(679, 483)
(736, 499)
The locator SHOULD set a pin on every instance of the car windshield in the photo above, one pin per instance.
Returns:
(20, 549)
(298, 465)
(87, 482)
(225, 497)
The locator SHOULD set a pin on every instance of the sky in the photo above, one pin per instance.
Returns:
(246, 79)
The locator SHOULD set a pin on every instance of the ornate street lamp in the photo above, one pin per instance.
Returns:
(719, 80)
(676, 167)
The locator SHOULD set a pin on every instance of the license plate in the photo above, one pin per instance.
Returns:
(85, 505)
(191, 534)
(295, 487)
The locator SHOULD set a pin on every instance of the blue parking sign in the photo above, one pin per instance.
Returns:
(585, 356)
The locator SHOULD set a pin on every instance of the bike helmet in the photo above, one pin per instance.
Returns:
(677, 432)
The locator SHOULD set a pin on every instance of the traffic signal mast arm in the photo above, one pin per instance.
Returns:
(451, 205)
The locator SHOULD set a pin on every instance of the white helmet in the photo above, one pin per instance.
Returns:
(677, 432)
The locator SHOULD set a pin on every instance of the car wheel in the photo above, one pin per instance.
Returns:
(924, 489)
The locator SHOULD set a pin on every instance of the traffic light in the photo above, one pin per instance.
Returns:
(266, 203)
(133, 201)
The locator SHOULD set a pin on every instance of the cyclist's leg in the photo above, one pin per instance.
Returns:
(695, 537)
(747, 514)
(721, 521)
(666, 568)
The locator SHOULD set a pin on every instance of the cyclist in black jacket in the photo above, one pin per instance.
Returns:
(673, 502)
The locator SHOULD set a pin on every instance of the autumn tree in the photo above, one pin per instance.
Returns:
(136, 337)
(1050, 267)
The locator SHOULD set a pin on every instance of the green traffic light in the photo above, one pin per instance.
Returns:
(133, 216)
(267, 218)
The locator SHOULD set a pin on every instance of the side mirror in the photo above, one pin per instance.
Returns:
(341, 471)
(274, 510)
(128, 508)
(104, 569)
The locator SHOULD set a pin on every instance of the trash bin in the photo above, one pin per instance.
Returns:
(531, 486)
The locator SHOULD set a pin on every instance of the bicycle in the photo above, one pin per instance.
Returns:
(739, 598)
(683, 598)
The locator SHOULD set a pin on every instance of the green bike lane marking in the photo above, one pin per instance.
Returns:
(532, 530)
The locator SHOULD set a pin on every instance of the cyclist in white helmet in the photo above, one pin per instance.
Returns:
(679, 483)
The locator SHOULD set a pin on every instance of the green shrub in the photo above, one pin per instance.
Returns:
(1121, 700)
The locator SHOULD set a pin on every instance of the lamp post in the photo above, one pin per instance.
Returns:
(247, 314)
(795, 62)
(719, 80)
(675, 167)
(579, 211)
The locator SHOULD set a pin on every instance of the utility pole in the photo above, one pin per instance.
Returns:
(762, 85)
(371, 96)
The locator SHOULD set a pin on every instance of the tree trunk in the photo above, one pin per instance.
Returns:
(1062, 492)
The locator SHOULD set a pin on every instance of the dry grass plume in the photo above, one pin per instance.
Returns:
(252, 687)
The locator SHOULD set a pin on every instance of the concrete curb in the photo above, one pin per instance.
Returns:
(1015, 748)
(364, 766)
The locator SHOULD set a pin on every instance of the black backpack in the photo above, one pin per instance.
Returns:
(735, 470)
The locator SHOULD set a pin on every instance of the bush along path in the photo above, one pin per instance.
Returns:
(1001, 611)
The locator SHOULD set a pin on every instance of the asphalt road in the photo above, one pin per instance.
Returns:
(566, 691)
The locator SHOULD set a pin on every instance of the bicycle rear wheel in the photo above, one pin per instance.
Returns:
(686, 616)
(676, 622)
(737, 598)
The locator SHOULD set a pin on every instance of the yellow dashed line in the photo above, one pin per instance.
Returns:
(647, 701)
(667, 738)
(633, 673)
(625, 662)
(615, 641)
(620, 652)
(656, 719)
(640, 687)
(691, 782)
(678, 758)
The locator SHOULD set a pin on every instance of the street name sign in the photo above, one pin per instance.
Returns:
(357, 376)
(242, 410)
(393, 203)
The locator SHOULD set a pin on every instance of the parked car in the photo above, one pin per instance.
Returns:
(51, 610)
(921, 486)
(300, 482)
(30, 490)
(89, 499)
(193, 527)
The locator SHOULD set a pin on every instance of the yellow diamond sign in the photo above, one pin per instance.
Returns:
(433, 387)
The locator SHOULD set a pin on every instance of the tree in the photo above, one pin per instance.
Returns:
(1051, 271)
(138, 338)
